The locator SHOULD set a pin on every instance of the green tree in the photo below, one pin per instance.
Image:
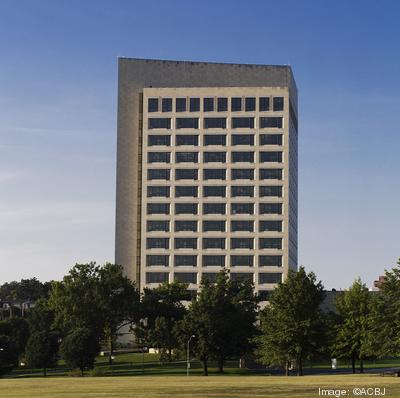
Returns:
(292, 325)
(8, 354)
(17, 330)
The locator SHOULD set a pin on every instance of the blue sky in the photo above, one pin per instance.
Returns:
(58, 87)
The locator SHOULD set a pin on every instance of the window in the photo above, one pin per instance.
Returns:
(152, 105)
(247, 157)
(214, 157)
(213, 243)
(243, 122)
(166, 104)
(250, 104)
(242, 276)
(271, 122)
(157, 243)
(159, 123)
(186, 191)
(157, 260)
(187, 123)
(153, 140)
(242, 190)
(243, 139)
(236, 104)
(214, 174)
(186, 225)
(158, 174)
(263, 104)
(270, 261)
(187, 140)
(271, 157)
(278, 103)
(180, 105)
(189, 295)
(215, 122)
(242, 243)
(158, 157)
(270, 174)
(185, 208)
(264, 295)
(242, 261)
(242, 208)
(186, 157)
(213, 208)
(269, 277)
(186, 277)
(270, 139)
(270, 208)
(242, 225)
(222, 104)
(157, 208)
(271, 191)
(217, 139)
(194, 104)
(209, 276)
(158, 191)
(269, 225)
(185, 243)
(185, 261)
(208, 104)
(270, 243)
(157, 277)
(242, 174)
(213, 261)
(157, 225)
(214, 225)
(214, 191)
(186, 174)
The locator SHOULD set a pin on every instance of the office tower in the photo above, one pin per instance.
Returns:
(206, 172)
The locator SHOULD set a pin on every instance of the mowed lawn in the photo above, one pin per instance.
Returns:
(193, 386)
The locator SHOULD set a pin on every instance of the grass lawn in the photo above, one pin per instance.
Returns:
(193, 386)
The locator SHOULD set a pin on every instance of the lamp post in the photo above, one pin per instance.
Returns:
(188, 354)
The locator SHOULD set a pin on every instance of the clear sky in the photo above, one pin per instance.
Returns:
(58, 86)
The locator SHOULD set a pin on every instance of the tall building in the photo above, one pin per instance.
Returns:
(206, 172)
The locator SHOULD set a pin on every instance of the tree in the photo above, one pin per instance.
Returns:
(292, 325)
(17, 330)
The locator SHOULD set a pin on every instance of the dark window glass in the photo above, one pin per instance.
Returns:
(271, 122)
(208, 104)
(157, 208)
(269, 277)
(185, 243)
(242, 174)
(158, 157)
(214, 174)
(271, 139)
(242, 276)
(213, 208)
(213, 261)
(271, 191)
(264, 104)
(222, 104)
(278, 103)
(271, 157)
(157, 225)
(159, 123)
(214, 225)
(264, 295)
(186, 191)
(270, 208)
(187, 123)
(186, 157)
(270, 243)
(215, 122)
(210, 276)
(214, 191)
(157, 191)
(214, 157)
(186, 174)
(242, 191)
(269, 225)
(158, 174)
(217, 139)
(270, 261)
(213, 243)
(236, 104)
(185, 208)
(185, 260)
(243, 122)
(185, 225)
(250, 104)
(270, 174)
(243, 139)
(167, 105)
(247, 157)
(189, 295)
(242, 208)
(242, 225)
(242, 243)
(242, 261)
(154, 260)
(194, 104)
(180, 105)
(157, 243)
(187, 140)
(152, 105)
(157, 277)
(159, 140)
(186, 277)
